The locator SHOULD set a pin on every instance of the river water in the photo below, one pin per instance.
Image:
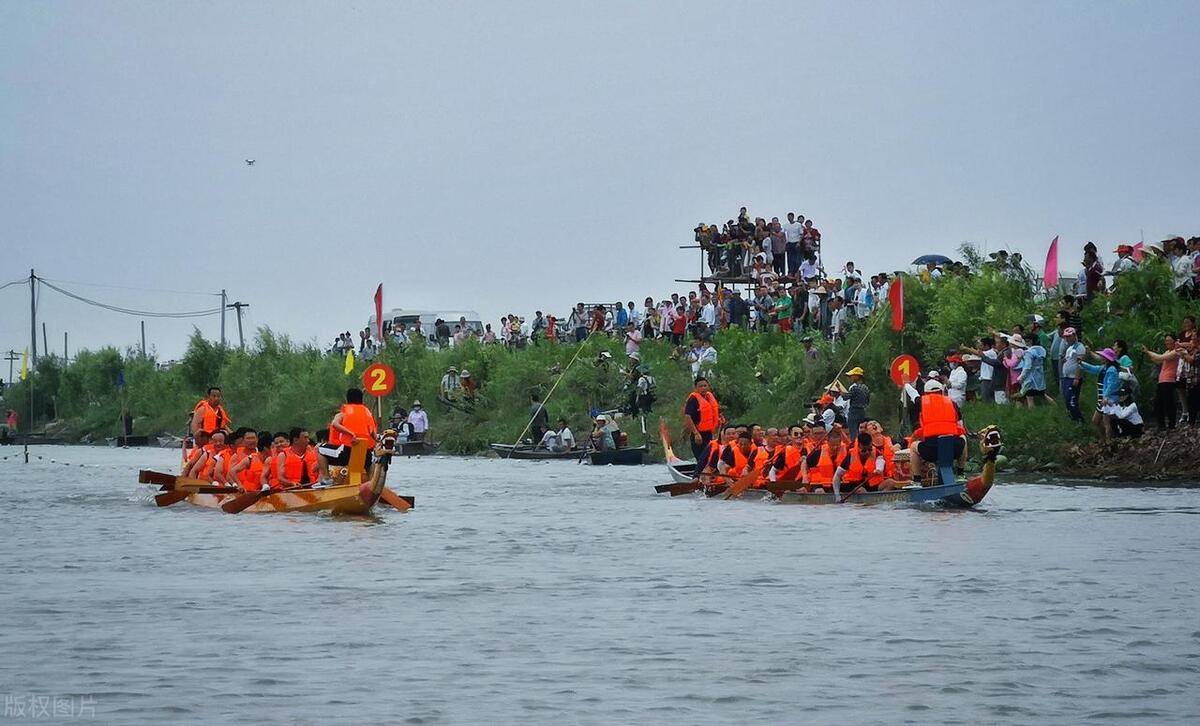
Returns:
(548, 592)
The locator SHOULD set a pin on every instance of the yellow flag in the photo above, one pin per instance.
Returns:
(349, 362)
(25, 364)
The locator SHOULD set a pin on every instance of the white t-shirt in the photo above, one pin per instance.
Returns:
(793, 231)
(958, 385)
(419, 420)
(987, 365)
(708, 315)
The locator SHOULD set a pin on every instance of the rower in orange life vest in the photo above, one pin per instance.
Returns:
(883, 442)
(862, 465)
(247, 468)
(209, 414)
(701, 417)
(786, 466)
(297, 465)
(765, 454)
(711, 456)
(737, 456)
(270, 474)
(352, 423)
(825, 448)
(940, 418)
(203, 460)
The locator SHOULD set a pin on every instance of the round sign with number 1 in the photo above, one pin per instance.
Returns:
(379, 379)
(905, 366)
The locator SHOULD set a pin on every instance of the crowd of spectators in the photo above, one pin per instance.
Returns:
(768, 275)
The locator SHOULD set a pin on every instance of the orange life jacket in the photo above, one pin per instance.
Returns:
(250, 476)
(889, 460)
(211, 418)
(710, 412)
(760, 460)
(300, 468)
(792, 456)
(860, 470)
(358, 419)
(938, 417)
(740, 460)
(822, 473)
(210, 466)
(272, 466)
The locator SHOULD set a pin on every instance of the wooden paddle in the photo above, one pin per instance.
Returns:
(242, 501)
(676, 490)
(743, 483)
(172, 496)
(402, 503)
(145, 476)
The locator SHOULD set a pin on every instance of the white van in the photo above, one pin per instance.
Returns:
(428, 319)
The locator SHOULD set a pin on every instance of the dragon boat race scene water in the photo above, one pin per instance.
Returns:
(608, 363)
(537, 592)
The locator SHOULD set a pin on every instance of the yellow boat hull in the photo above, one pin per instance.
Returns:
(345, 499)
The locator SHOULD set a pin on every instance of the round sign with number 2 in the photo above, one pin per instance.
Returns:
(378, 379)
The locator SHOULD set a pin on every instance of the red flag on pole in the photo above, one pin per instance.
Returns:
(1139, 250)
(1050, 275)
(379, 312)
(896, 298)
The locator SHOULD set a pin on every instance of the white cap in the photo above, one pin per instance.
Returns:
(933, 387)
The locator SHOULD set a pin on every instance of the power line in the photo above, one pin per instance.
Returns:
(130, 311)
(15, 282)
(127, 287)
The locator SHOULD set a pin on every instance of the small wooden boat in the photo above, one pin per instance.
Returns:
(355, 490)
(416, 448)
(536, 453)
(627, 456)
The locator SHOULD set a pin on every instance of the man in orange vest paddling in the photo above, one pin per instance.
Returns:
(209, 414)
(940, 420)
(863, 466)
(737, 456)
(297, 465)
(354, 422)
(701, 417)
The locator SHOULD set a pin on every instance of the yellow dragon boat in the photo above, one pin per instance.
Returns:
(356, 488)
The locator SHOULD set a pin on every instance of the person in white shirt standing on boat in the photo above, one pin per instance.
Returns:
(419, 420)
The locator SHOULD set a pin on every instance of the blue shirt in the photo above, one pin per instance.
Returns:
(622, 317)
(1110, 379)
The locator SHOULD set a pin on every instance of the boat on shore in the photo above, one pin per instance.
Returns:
(535, 453)
(416, 448)
(626, 456)
(355, 491)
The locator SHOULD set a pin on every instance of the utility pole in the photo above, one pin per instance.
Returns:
(64, 347)
(223, 306)
(11, 358)
(33, 315)
(45, 340)
(237, 306)
(143, 338)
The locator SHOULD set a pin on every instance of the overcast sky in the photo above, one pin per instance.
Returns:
(513, 156)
